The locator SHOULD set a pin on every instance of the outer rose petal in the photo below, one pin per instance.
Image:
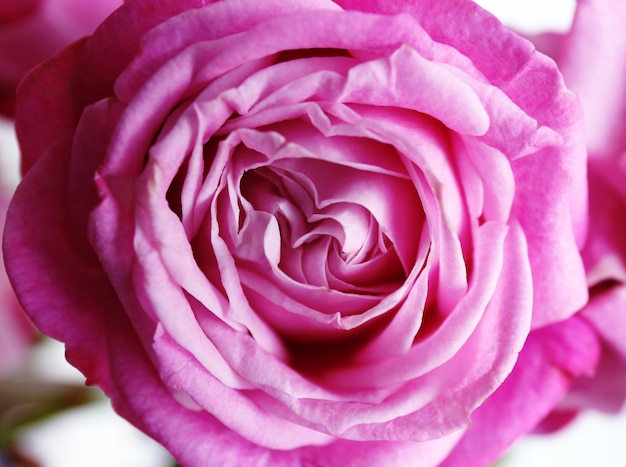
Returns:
(50, 249)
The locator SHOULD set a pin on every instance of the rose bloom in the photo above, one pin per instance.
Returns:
(32, 30)
(592, 57)
(308, 232)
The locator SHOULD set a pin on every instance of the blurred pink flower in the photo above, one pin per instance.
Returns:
(32, 30)
(592, 58)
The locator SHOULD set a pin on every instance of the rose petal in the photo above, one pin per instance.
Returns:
(46, 260)
(551, 357)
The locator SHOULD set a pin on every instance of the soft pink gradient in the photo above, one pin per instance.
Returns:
(33, 30)
(283, 233)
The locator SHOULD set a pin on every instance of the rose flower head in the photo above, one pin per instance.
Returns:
(302, 232)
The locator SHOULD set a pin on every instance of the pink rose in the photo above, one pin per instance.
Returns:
(287, 233)
(33, 30)
(592, 57)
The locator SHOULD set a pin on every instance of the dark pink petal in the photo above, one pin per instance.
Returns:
(16, 332)
(37, 135)
(34, 30)
(40, 258)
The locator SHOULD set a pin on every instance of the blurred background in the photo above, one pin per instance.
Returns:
(49, 418)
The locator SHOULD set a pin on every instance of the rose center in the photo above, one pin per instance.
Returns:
(328, 243)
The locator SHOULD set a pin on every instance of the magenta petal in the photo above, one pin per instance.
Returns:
(46, 259)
